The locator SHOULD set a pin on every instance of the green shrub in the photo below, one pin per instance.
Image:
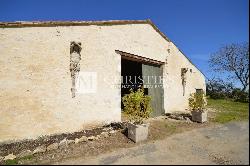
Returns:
(219, 89)
(217, 95)
(137, 106)
(240, 96)
(197, 101)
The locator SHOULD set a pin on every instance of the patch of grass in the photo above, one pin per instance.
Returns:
(159, 129)
(29, 157)
(15, 161)
(227, 110)
(170, 127)
(11, 162)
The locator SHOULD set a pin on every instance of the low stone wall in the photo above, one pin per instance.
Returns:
(41, 145)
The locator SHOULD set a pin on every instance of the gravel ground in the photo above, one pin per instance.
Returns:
(160, 128)
(220, 144)
(170, 142)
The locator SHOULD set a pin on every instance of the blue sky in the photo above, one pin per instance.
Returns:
(197, 27)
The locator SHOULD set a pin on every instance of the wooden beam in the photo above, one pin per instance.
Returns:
(138, 58)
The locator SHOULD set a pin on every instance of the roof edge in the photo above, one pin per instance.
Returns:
(139, 58)
(166, 38)
(19, 24)
(190, 61)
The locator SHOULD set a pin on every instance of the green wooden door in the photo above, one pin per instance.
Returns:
(154, 87)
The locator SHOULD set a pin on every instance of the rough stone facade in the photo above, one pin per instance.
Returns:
(36, 83)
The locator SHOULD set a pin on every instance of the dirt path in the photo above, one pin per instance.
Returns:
(224, 144)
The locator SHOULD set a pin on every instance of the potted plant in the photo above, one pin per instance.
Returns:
(138, 108)
(197, 103)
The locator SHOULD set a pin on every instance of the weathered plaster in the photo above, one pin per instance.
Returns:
(35, 85)
(174, 98)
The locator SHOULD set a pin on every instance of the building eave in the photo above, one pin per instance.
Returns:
(20, 24)
(138, 58)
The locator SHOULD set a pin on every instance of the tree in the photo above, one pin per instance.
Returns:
(233, 59)
(219, 89)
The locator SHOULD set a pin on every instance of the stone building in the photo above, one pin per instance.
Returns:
(41, 62)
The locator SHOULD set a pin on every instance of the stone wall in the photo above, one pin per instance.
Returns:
(175, 99)
(36, 84)
(35, 78)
